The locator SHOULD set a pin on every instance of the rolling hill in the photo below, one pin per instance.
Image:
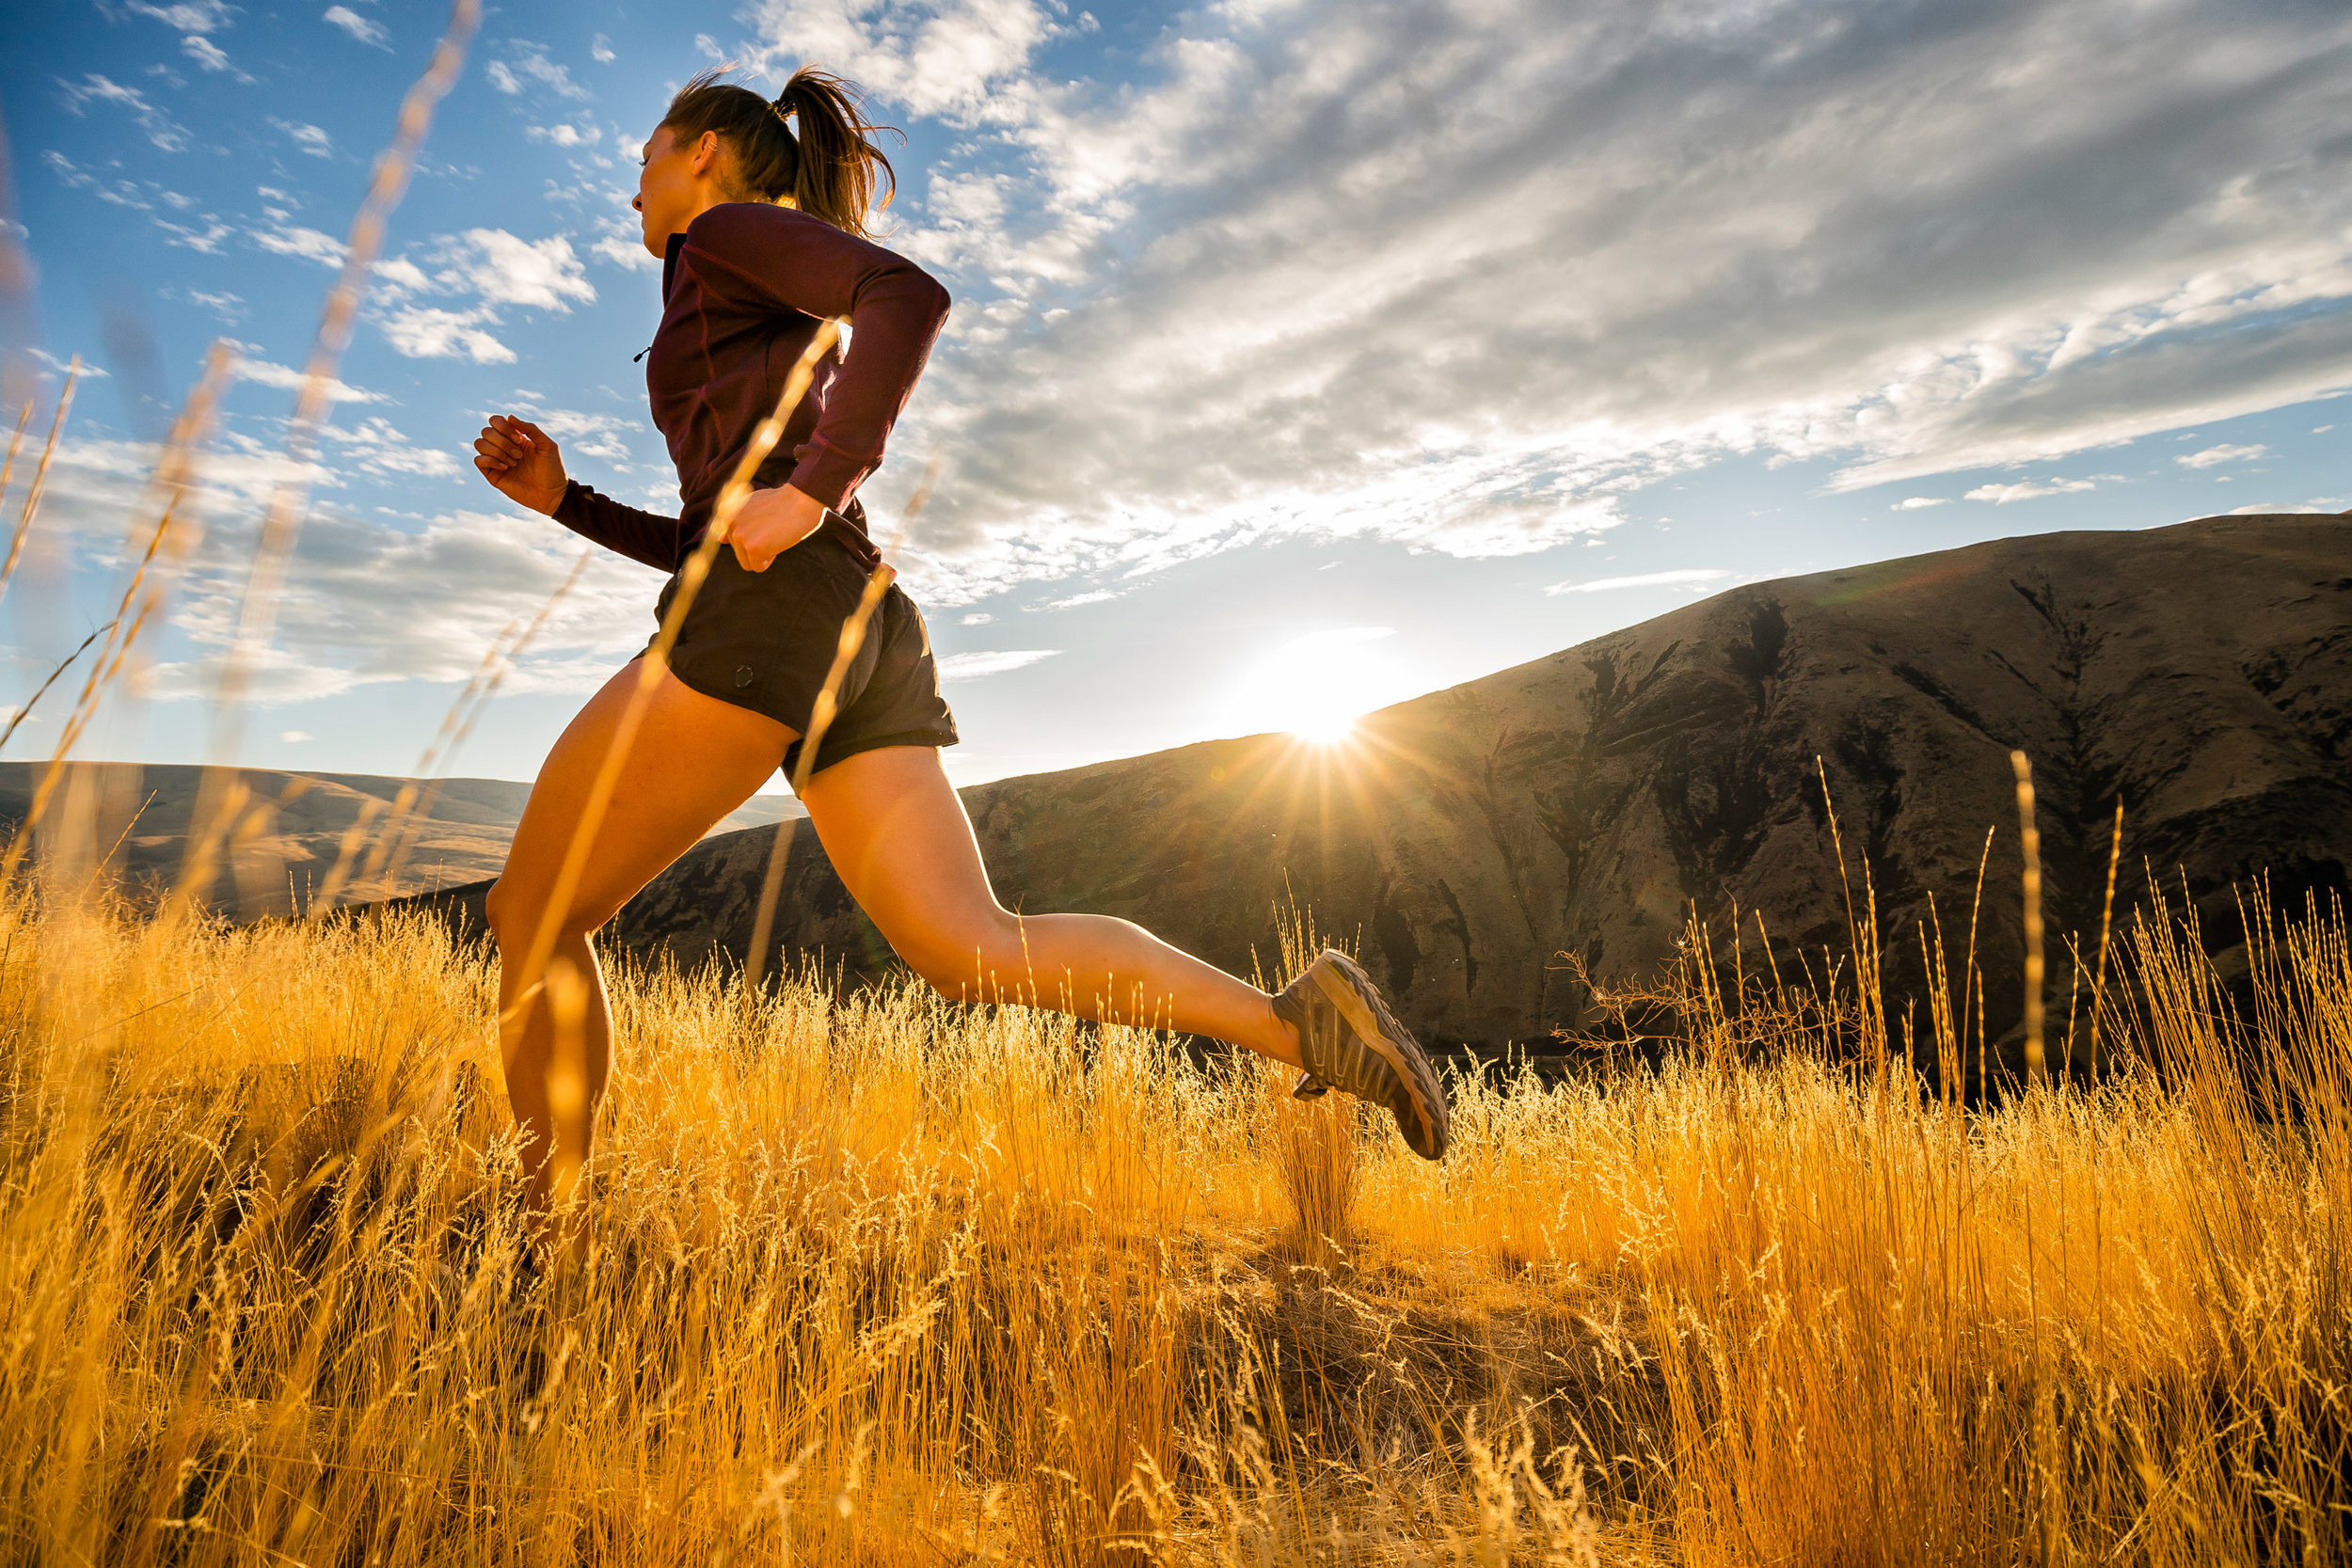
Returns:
(136, 816)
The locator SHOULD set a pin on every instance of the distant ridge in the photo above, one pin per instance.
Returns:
(141, 812)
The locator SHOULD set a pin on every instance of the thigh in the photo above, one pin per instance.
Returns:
(693, 760)
(898, 835)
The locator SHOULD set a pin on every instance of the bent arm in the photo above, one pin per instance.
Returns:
(775, 259)
(642, 536)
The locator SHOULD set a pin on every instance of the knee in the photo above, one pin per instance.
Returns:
(972, 959)
(513, 911)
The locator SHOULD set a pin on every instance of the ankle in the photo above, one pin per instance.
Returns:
(1281, 1038)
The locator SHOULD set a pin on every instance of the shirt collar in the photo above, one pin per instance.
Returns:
(669, 263)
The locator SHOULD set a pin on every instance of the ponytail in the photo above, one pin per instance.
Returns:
(829, 171)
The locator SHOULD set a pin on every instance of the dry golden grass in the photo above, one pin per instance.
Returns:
(878, 1279)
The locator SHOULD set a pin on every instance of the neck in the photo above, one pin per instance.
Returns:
(705, 197)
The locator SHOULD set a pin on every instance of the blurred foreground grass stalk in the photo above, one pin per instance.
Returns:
(884, 1280)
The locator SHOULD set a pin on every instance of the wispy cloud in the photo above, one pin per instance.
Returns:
(600, 436)
(490, 266)
(2026, 490)
(295, 240)
(1682, 577)
(1469, 279)
(1076, 601)
(526, 63)
(86, 370)
(358, 26)
(161, 129)
(312, 139)
(2323, 504)
(209, 56)
(186, 16)
(428, 332)
(373, 446)
(263, 372)
(970, 667)
(2214, 456)
(1920, 503)
(565, 135)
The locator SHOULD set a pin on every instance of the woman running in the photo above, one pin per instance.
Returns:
(761, 235)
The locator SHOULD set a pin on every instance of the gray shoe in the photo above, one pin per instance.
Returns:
(1348, 1040)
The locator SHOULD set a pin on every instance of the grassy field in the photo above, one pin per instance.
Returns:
(883, 1280)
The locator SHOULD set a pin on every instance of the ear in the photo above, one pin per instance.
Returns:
(706, 153)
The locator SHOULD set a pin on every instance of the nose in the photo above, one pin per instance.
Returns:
(636, 204)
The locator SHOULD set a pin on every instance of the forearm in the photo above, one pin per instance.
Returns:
(642, 536)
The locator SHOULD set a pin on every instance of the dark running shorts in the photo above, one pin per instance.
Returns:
(765, 640)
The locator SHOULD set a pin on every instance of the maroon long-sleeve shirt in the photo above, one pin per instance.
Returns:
(742, 291)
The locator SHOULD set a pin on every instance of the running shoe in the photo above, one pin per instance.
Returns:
(1348, 1040)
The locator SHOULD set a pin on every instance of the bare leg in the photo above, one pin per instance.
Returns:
(695, 760)
(898, 836)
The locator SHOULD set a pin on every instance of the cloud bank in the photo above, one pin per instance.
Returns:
(1460, 275)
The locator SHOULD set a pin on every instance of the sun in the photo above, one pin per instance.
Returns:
(1326, 729)
(1316, 688)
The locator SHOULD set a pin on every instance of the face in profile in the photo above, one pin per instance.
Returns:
(665, 186)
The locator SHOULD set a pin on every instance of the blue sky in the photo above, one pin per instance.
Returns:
(1306, 354)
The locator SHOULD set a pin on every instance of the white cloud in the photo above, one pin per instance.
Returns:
(585, 434)
(2316, 504)
(494, 268)
(1099, 596)
(205, 52)
(565, 135)
(529, 63)
(367, 603)
(1920, 503)
(307, 243)
(970, 667)
(309, 138)
(206, 240)
(366, 600)
(85, 370)
(376, 448)
(600, 49)
(357, 26)
(2213, 456)
(263, 372)
(1682, 577)
(938, 59)
(977, 618)
(227, 306)
(2026, 490)
(425, 332)
(295, 737)
(622, 243)
(397, 275)
(1460, 277)
(507, 270)
(188, 16)
(162, 130)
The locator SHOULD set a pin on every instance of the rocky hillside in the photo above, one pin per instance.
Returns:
(1581, 803)
(136, 817)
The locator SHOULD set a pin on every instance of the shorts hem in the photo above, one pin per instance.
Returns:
(830, 753)
(734, 698)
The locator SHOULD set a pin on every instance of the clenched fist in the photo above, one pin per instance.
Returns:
(521, 462)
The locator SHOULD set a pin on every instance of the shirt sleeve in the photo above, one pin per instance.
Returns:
(772, 258)
(644, 536)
